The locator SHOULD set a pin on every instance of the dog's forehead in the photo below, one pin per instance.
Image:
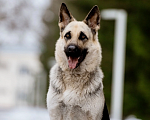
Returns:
(77, 26)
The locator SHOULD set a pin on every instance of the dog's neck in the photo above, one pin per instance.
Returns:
(78, 71)
(77, 77)
(77, 81)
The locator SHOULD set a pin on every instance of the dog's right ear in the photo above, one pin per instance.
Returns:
(64, 17)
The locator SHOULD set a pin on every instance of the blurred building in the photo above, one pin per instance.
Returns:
(19, 70)
(22, 78)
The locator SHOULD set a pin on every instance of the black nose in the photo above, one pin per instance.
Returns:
(72, 48)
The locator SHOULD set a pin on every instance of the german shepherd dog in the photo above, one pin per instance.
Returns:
(76, 88)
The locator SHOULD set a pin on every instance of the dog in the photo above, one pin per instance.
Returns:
(76, 88)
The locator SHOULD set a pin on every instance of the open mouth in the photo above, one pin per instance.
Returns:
(75, 57)
(72, 62)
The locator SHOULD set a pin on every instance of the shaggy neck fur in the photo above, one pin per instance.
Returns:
(74, 83)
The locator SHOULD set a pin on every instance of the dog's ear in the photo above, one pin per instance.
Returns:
(93, 19)
(65, 17)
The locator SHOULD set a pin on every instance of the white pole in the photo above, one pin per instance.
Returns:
(118, 60)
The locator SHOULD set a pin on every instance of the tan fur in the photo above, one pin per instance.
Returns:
(76, 94)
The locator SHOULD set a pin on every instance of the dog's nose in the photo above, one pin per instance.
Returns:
(71, 48)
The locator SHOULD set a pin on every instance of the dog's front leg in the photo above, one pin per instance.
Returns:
(56, 113)
(55, 110)
(54, 105)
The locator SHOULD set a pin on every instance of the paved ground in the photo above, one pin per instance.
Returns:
(24, 113)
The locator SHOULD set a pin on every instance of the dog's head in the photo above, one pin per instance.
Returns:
(78, 43)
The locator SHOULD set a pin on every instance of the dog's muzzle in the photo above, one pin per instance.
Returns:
(75, 55)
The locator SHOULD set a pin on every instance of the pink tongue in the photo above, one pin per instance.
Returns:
(72, 62)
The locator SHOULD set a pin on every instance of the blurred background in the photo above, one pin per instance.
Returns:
(28, 33)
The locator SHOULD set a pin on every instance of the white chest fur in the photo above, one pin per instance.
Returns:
(77, 92)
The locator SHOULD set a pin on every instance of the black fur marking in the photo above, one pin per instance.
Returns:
(56, 89)
(62, 104)
(82, 36)
(93, 31)
(105, 113)
(89, 82)
(96, 90)
(82, 56)
(67, 36)
(62, 29)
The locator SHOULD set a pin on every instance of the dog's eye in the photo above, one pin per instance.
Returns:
(68, 35)
(83, 36)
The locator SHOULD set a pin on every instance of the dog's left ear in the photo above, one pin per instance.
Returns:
(93, 19)
(65, 17)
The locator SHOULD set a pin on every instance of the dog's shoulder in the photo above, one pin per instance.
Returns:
(55, 71)
(56, 82)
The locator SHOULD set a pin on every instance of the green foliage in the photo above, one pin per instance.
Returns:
(137, 77)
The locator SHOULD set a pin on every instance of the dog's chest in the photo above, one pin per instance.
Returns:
(74, 87)
(75, 80)
(76, 95)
